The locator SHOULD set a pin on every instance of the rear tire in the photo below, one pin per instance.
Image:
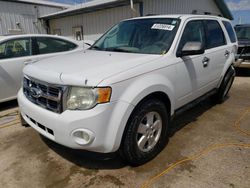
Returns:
(225, 86)
(146, 132)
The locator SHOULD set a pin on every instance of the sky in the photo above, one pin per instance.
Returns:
(239, 8)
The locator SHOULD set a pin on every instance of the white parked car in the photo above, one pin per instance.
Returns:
(121, 93)
(16, 51)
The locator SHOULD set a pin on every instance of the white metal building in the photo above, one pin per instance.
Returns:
(21, 16)
(92, 19)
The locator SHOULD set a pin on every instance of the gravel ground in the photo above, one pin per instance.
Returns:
(29, 160)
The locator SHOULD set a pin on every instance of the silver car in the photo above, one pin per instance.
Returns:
(19, 50)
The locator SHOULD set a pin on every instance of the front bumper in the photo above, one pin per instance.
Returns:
(99, 121)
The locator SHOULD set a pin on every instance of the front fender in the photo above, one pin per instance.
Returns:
(139, 88)
(132, 92)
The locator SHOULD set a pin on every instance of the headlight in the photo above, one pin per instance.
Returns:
(81, 98)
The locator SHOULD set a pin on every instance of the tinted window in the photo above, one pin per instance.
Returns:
(15, 48)
(230, 31)
(193, 32)
(243, 32)
(214, 34)
(46, 45)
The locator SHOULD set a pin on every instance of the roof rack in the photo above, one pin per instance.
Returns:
(201, 12)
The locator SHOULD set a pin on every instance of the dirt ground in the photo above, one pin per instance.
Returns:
(209, 147)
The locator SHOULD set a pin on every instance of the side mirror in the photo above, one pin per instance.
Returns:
(191, 48)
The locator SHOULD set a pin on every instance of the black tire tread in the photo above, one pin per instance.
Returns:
(129, 149)
(219, 97)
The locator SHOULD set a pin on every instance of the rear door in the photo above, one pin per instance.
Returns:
(14, 54)
(217, 50)
(232, 40)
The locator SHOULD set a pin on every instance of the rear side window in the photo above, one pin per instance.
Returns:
(230, 31)
(214, 34)
(47, 45)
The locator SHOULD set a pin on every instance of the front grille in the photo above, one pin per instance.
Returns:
(45, 95)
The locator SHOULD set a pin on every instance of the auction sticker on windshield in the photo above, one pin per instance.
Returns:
(166, 27)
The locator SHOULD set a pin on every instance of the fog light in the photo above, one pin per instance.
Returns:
(82, 136)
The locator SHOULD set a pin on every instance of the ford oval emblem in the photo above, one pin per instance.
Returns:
(35, 92)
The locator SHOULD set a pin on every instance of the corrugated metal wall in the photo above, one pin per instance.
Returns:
(26, 15)
(94, 24)
(179, 6)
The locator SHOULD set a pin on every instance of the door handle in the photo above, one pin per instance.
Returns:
(27, 61)
(227, 53)
(205, 61)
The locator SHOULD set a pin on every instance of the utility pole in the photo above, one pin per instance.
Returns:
(240, 20)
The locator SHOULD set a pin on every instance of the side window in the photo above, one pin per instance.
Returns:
(214, 34)
(15, 48)
(2, 50)
(46, 45)
(230, 31)
(193, 32)
(243, 32)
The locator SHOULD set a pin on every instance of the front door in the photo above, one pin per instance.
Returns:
(193, 71)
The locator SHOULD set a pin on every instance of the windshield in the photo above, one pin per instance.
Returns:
(243, 32)
(147, 36)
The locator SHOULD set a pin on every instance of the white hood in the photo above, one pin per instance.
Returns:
(85, 68)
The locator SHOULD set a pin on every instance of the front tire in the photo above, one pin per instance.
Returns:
(146, 132)
(225, 85)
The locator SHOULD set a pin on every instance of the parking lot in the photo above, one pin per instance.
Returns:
(209, 147)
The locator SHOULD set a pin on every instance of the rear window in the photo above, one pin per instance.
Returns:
(230, 31)
(214, 34)
(46, 45)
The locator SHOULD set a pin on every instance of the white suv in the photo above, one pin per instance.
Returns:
(120, 94)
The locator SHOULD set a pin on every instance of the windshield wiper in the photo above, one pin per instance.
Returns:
(96, 48)
(117, 50)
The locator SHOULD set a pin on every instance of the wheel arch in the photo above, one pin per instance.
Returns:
(154, 95)
(226, 67)
(154, 86)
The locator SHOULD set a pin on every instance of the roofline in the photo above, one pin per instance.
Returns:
(224, 9)
(87, 7)
(7, 37)
(45, 3)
